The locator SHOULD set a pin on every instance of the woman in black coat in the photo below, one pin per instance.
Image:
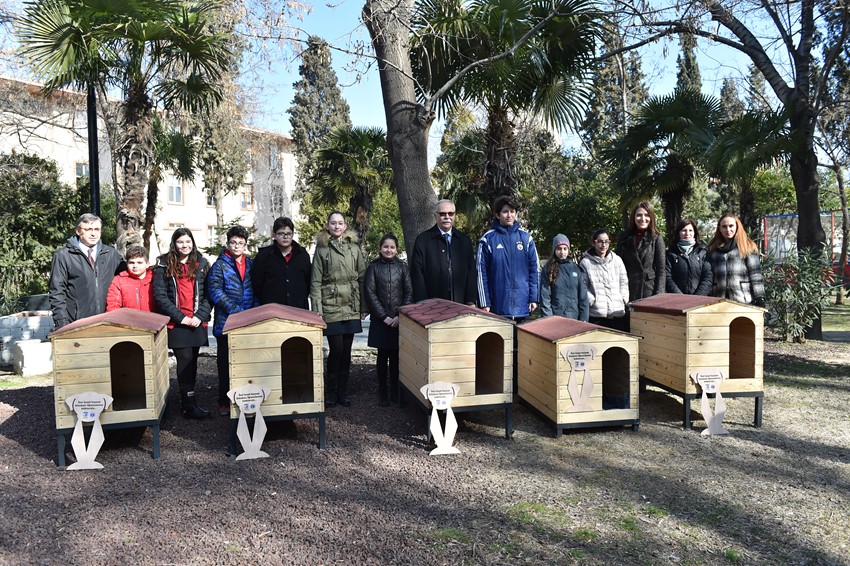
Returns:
(386, 286)
(641, 248)
(178, 289)
(688, 266)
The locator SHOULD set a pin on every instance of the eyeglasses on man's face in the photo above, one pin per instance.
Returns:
(283, 234)
(237, 243)
(447, 213)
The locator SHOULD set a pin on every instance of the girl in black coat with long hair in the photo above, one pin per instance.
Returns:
(178, 289)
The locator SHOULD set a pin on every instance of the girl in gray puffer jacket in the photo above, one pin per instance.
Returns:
(387, 286)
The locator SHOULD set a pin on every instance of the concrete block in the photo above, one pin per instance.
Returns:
(33, 357)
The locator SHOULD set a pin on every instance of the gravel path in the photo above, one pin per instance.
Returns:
(776, 495)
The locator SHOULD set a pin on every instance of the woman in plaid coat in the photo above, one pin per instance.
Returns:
(735, 263)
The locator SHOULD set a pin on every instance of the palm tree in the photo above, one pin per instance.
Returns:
(546, 75)
(354, 163)
(743, 147)
(664, 149)
(160, 53)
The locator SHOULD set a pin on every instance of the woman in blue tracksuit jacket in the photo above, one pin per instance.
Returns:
(229, 290)
(508, 278)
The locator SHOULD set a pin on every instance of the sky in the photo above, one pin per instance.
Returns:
(340, 25)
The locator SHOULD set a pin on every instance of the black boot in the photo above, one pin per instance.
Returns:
(330, 390)
(191, 410)
(342, 390)
(383, 398)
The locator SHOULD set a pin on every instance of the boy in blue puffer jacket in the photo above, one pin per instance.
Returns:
(229, 290)
(508, 278)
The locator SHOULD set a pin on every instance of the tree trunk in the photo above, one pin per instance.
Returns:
(408, 122)
(150, 207)
(360, 209)
(135, 160)
(747, 208)
(845, 237)
(501, 150)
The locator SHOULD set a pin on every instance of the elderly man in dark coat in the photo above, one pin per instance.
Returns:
(443, 264)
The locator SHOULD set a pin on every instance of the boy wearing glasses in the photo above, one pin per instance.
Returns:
(442, 264)
(281, 271)
(229, 290)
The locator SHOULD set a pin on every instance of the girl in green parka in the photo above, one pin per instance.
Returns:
(338, 268)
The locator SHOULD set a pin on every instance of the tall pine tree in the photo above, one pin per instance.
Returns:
(731, 105)
(688, 69)
(317, 108)
(618, 91)
(757, 98)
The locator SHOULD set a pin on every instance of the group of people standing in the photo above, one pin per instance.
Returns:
(728, 266)
(501, 276)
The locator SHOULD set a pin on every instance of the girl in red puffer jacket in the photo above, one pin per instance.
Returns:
(133, 288)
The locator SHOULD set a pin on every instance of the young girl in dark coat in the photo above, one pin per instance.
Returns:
(562, 288)
(688, 268)
(178, 289)
(387, 287)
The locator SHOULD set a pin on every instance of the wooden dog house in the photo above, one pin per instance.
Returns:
(123, 354)
(441, 340)
(279, 347)
(683, 334)
(562, 393)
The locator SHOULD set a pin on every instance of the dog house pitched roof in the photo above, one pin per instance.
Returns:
(677, 304)
(124, 318)
(554, 328)
(273, 311)
(432, 311)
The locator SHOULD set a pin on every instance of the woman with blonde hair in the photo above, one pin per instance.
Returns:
(735, 263)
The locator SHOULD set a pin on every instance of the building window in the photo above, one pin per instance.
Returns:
(212, 236)
(82, 170)
(175, 190)
(210, 198)
(246, 197)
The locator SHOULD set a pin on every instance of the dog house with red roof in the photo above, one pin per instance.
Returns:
(683, 334)
(441, 340)
(576, 374)
(279, 347)
(122, 354)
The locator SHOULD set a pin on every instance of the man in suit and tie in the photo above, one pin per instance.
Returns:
(442, 264)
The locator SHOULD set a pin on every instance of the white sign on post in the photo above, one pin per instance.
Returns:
(579, 357)
(248, 399)
(88, 406)
(440, 394)
(709, 380)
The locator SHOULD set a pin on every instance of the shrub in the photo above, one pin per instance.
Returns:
(796, 291)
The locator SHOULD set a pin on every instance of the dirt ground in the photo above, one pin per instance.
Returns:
(662, 495)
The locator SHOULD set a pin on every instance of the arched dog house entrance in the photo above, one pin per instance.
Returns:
(489, 364)
(296, 371)
(742, 348)
(127, 376)
(616, 379)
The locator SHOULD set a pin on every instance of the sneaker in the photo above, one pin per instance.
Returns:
(224, 409)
